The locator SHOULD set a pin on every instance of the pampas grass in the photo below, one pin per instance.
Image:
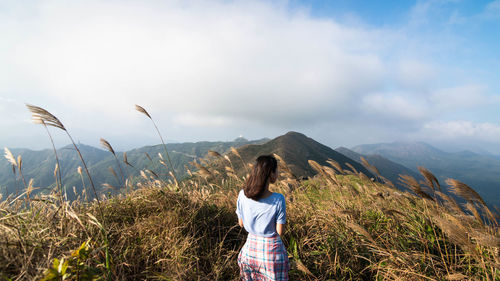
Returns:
(10, 157)
(156, 232)
(335, 165)
(235, 152)
(214, 154)
(413, 184)
(370, 167)
(125, 160)
(13, 162)
(143, 111)
(43, 116)
(430, 179)
(107, 145)
(159, 232)
(58, 176)
(464, 191)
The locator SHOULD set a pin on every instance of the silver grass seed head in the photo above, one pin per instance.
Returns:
(142, 110)
(42, 116)
(107, 146)
(10, 157)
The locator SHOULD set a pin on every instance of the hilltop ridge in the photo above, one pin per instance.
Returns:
(296, 149)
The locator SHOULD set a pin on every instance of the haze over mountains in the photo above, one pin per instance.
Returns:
(387, 168)
(481, 172)
(391, 159)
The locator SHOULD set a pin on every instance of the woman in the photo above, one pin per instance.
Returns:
(263, 214)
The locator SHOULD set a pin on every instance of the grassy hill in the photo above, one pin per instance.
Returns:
(339, 227)
(296, 149)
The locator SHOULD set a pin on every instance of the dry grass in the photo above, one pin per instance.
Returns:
(340, 226)
(465, 191)
(143, 111)
(347, 229)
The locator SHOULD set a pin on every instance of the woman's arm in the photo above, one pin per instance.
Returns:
(280, 228)
(240, 222)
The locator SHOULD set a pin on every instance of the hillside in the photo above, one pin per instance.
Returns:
(339, 227)
(478, 171)
(387, 168)
(40, 165)
(296, 149)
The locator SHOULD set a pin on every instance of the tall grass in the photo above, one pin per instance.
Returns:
(340, 226)
(143, 111)
(343, 229)
(57, 171)
(48, 119)
(107, 145)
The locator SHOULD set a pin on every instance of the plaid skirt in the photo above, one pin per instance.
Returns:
(263, 258)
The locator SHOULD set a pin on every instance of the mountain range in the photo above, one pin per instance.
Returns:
(391, 159)
(481, 172)
(40, 165)
(387, 168)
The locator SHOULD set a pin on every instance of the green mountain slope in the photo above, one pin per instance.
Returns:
(296, 149)
(40, 165)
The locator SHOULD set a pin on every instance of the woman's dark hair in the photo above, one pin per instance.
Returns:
(256, 183)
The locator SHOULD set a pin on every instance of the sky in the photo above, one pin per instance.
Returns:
(343, 72)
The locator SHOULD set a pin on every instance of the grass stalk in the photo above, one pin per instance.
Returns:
(59, 169)
(143, 111)
(49, 119)
(108, 146)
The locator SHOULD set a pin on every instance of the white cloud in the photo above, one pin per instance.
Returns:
(402, 107)
(197, 65)
(415, 74)
(461, 130)
(194, 120)
(460, 97)
(236, 59)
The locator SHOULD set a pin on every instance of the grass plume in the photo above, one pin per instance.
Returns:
(161, 232)
(41, 115)
(431, 180)
(143, 111)
(107, 145)
(464, 191)
(154, 232)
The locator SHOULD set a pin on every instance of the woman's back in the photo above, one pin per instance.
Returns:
(261, 216)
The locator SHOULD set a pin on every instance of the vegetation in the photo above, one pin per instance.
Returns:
(39, 165)
(341, 226)
(480, 171)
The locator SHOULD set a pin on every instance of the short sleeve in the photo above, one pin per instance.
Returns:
(238, 206)
(281, 208)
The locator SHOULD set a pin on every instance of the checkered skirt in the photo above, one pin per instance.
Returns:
(263, 259)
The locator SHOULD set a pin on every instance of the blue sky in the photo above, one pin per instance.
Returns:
(342, 72)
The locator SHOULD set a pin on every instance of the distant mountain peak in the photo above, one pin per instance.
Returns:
(296, 149)
(240, 139)
(81, 146)
(294, 134)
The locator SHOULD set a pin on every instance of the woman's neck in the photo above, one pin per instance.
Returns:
(267, 192)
